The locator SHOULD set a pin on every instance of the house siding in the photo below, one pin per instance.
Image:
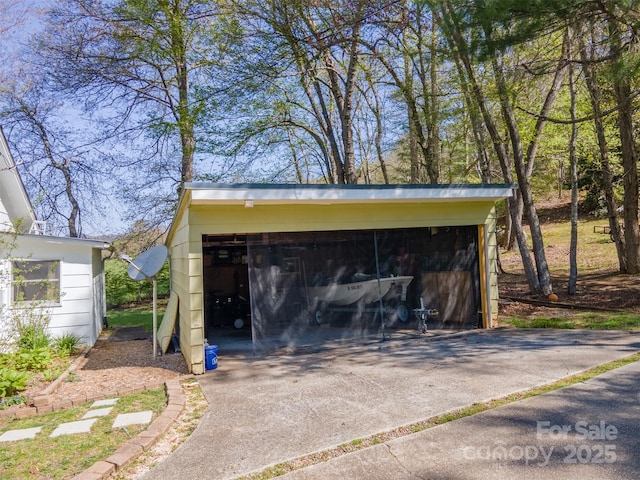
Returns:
(82, 305)
(75, 312)
(99, 292)
(492, 263)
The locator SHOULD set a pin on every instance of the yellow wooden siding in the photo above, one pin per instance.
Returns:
(181, 269)
(212, 219)
(195, 283)
(196, 310)
(492, 261)
(188, 284)
(482, 260)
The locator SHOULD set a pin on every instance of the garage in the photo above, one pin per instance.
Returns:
(272, 267)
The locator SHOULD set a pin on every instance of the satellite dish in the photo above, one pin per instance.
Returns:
(145, 267)
(148, 263)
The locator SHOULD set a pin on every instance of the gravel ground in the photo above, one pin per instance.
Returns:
(119, 365)
(119, 360)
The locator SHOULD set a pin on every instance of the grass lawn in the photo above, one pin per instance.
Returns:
(596, 252)
(590, 320)
(67, 455)
(140, 315)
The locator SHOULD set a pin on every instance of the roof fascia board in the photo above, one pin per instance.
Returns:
(184, 201)
(203, 194)
(68, 241)
(19, 201)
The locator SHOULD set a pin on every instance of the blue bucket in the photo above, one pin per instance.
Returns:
(211, 357)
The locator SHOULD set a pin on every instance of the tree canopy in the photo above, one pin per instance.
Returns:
(339, 92)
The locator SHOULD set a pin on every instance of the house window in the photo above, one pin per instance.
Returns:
(36, 281)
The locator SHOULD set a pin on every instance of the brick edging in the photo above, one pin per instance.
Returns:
(142, 442)
(77, 364)
(42, 403)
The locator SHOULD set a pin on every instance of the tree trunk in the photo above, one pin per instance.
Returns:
(573, 167)
(184, 118)
(482, 156)
(595, 96)
(430, 104)
(294, 157)
(344, 100)
(407, 88)
(375, 109)
(454, 35)
(622, 89)
(63, 166)
(542, 267)
(524, 164)
(312, 86)
(72, 221)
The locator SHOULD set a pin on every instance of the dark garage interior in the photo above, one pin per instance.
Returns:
(305, 289)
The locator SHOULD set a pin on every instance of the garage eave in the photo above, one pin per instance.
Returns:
(265, 194)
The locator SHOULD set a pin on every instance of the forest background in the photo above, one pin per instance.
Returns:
(112, 105)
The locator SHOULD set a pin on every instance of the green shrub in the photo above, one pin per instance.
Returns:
(36, 359)
(12, 381)
(51, 374)
(5, 360)
(121, 289)
(66, 344)
(32, 337)
(14, 400)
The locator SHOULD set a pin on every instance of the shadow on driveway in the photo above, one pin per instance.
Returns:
(267, 410)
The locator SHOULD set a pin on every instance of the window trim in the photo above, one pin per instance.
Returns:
(15, 264)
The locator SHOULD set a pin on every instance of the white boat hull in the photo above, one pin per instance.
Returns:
(367, 291)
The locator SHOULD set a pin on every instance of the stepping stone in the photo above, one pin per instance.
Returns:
(100, 412)
(80, 426)
(23, 434)
(137, 418)
(109, 402)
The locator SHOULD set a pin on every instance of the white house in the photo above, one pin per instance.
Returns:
(63, 276)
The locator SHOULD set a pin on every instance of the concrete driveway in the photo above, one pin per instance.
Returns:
(586, 431)
(269, 410)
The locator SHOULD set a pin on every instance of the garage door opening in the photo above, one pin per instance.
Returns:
(227, 316)
(299, 289)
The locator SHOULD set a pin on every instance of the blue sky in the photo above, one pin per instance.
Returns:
(29, 15)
